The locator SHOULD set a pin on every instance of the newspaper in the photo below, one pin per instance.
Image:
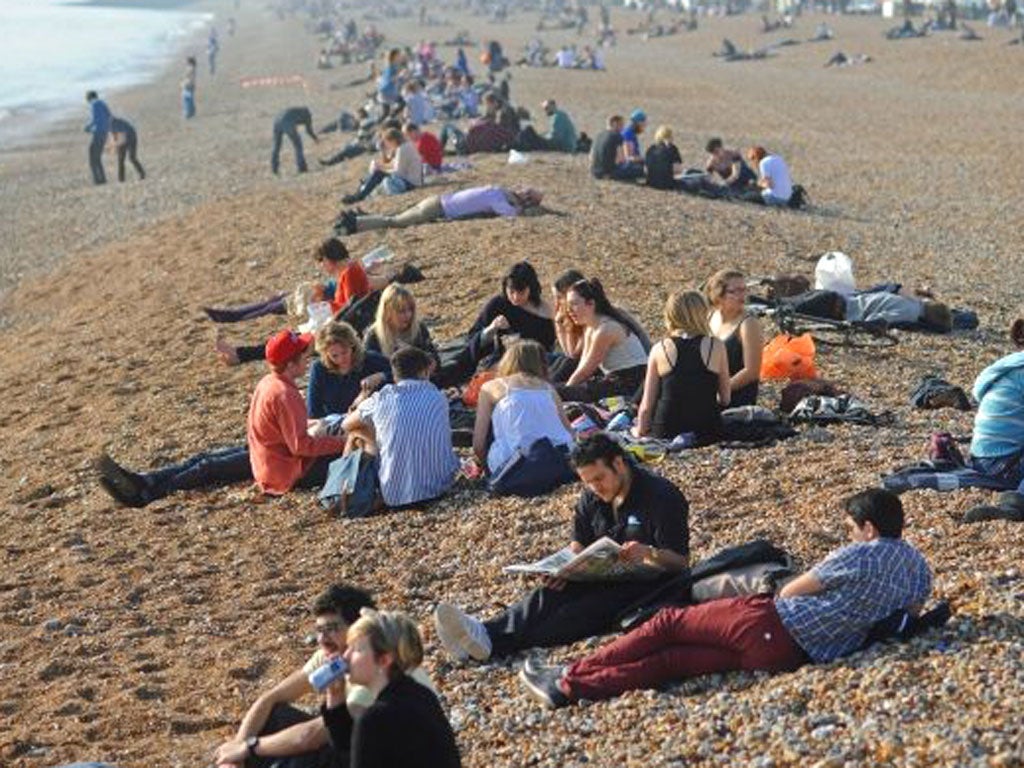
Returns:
(600, 561)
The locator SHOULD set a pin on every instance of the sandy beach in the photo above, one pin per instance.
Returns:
(139, 637)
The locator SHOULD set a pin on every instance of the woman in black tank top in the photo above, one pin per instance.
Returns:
(687, 378)
(741, 333)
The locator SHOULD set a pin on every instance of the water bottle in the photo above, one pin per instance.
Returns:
(327, 673)
(378, 255)
(620, 422)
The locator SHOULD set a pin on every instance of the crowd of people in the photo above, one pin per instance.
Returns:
(380, 388)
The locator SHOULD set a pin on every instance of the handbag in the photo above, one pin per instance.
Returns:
(351, 486)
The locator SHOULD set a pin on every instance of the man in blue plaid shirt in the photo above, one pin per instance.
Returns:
(819, 616)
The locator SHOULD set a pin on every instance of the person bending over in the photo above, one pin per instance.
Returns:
(773, 176)
(279, 455)
(464, 204)
(613, 360)
(742, 334)
(405, 727)
(687, 379)
(287, 124)
(518, 408)
(406, 426)
(645, 513)
(126, 139)
(820, 616)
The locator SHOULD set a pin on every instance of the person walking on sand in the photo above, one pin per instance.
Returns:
(127, 142)
(287, 124)
(99, 127)
(188, 89)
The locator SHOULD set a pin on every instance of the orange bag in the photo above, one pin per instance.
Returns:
(789, 357)
(472, 393)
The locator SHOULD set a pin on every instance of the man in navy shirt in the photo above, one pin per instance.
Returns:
(643, 512)
(287, 124)
(99, 127)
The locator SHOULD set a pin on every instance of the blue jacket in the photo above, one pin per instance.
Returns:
(999, 423)
(330, 392)
(100, 117)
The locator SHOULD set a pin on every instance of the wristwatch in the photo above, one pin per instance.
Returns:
(250, 745)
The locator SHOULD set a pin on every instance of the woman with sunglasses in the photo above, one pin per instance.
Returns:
(742, 334)
(612, 359)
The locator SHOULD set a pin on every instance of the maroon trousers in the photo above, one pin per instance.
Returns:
(718, 636)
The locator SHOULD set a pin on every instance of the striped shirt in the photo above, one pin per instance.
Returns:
(999, 423)
(414, 439)
(863, 584)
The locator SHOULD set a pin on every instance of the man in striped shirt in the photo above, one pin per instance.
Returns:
(406, 425)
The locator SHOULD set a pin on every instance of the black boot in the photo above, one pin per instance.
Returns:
(1010, 507)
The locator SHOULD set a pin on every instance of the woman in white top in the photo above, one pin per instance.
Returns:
(613, 360)
(399, 170)
(519, 407)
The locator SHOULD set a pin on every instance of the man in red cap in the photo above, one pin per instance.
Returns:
(280, 454)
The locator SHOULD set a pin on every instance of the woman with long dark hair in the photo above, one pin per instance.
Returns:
(612, 359)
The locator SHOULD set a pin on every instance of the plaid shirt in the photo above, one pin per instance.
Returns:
(863, 583)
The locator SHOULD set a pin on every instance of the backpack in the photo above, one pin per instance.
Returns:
(798, 198)
(537, 470)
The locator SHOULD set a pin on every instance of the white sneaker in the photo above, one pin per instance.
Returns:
(461, 634)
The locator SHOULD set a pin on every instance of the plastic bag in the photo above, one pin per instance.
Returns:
(834, 272)
(319, 315)
(789, 357)
(472, 394)
(515, 157)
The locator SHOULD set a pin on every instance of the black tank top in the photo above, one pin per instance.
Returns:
(746, 395)
(688, 398)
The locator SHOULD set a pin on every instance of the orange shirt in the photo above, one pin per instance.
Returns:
(352, 284)
(280, 450)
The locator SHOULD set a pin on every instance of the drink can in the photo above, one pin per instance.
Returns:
(620, 422)
(327, 673)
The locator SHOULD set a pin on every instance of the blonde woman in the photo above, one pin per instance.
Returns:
(663, 161)
(345, 372)
(742, 333)
(519, 406)
(405, 727)
(397, 325)
(687, 378)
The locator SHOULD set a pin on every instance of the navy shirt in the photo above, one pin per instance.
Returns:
(330, 392)
(654, 512)
(100, 114)
(120, 125)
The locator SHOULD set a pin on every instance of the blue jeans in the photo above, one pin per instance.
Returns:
(1009, 468)
(770, 199)
(628, 171)
(395, 185)
(188, 104)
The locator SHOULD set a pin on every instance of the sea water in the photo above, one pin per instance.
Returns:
(53, 51)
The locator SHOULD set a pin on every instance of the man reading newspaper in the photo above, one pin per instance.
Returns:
(643, 513)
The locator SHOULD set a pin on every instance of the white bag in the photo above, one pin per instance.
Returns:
(834, 272)
(319, 315)
(515, 157)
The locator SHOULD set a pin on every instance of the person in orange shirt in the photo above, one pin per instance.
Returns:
(281, 453)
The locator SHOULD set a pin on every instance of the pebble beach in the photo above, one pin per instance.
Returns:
(139, 637)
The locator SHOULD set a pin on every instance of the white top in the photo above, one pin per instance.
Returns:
(774, 167)
(521, 418)
(565, 58)
(628, 353)
(408, 164)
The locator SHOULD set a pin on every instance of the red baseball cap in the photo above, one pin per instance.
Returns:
(284, 346)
